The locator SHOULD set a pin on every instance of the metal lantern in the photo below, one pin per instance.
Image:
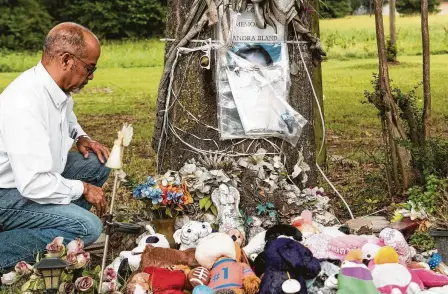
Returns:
(51, 270)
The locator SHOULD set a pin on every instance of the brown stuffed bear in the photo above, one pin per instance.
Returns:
(167, 257)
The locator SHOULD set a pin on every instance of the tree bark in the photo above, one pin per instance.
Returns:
(317, 80)
(195, 96)
(393, 28)
(400, 157)
(426, 71)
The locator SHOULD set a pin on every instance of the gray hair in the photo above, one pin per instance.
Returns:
(65, 37)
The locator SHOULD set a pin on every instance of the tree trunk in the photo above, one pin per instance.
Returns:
(426, 71)
(393, 30)
(317, 80)
(194, 105)
(400, 157)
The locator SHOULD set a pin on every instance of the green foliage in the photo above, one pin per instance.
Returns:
(414, 6)
(422, 241)
(23, 25)
(206, 205)
(335, 8)
(115, 19)
(267, 209)
(391, 51)
(428, 196)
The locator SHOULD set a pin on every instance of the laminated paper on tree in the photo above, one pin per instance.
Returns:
(253, 83)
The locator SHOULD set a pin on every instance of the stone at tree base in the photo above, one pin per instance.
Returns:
(367, 225)
(359, 226)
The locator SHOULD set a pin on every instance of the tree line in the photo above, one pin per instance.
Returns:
(24, 23)
(341, 8)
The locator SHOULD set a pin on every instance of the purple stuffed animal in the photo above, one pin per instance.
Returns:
(286, 256)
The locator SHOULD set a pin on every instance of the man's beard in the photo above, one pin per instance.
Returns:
(77, 90)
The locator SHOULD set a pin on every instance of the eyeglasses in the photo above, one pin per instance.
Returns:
(90, 70)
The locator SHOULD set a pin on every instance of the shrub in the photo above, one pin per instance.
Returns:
(23, 24)
(414, 6)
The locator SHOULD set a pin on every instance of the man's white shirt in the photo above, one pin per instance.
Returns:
(37, 130)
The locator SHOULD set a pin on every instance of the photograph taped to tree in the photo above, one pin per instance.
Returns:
(254, 82)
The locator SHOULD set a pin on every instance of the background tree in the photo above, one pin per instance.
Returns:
(392, 44)
(23, 24)
(414, 6)
(335, 8)
(426, 70)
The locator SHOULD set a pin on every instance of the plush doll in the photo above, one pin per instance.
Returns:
(288, 265)
(167, 257)
(354, 276)
(272, 234)
(191, 233)
(218, 253)
(339, 247)
(133, 257)
(255, 245)
(165, 281)
(304, 224)
(395, 239)
(138, 284)
(391, 277)
(237, 237)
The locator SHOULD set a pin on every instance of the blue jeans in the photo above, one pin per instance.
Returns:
(29, 226)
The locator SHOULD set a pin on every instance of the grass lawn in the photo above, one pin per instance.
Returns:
(352, 127)
(125, 86)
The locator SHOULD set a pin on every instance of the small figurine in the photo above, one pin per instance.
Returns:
(227, 199)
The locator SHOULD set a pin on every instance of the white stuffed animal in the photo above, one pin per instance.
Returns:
(255, 245)
(191, 233)
(134, 257)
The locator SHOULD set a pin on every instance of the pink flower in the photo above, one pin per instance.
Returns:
(56, 248)
(67, 288)
(23, 268)
(78, 260)
(109, 274)
(108, 287)
(83, 284)
(75, 246)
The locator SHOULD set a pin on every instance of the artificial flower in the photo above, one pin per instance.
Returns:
(56, 248)
(108, 287)
(109, 274)
(23, 268)
(83, 284)
(75, 246)
(67, 288)
(10, 278)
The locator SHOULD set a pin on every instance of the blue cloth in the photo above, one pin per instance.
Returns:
(30, 226)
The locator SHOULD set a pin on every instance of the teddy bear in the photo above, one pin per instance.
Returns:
(191, 233)
(134, 256)
(288, 265)
(220, 254)
(270, 235)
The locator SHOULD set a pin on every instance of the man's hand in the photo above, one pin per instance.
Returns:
(95, 196)
(84, 145)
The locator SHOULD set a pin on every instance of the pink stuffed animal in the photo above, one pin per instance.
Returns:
(395, 239)
(391, 277)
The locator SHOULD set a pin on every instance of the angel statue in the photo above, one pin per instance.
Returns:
(227, 199)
